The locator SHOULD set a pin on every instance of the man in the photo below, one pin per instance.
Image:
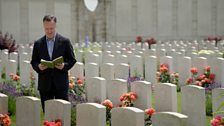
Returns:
(52, 82)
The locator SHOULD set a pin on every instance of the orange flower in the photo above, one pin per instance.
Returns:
(79, 81)
(5, 120)
(107, 103)
(71, 86)
(16, 78)
(133, 96)
(176, 75)
(122, 97)
(150, 111)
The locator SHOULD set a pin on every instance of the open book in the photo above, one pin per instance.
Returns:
(51, 64)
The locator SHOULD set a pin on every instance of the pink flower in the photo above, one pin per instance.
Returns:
(107, 103)
(207, 68)
(189, 81)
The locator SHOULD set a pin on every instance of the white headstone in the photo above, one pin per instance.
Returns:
(77, 70)
(193, 104)
(127, 116)
(176, 58)
(200, 63)
(25, 69)
(96, 89)
(151, 69)
(184, 68)
(121, 59)
(169, 119)
(116, 88)
(11, 67)
(58, 109)
(4, 58)
(28, 111)
(92, 58)
(165, 97)
(3, 104)
(143, 89)
(136, 66)
(13, 56)
(79, 56)
(90, 114)
(160, 53)
(121, 71)
(109, 59)
(91, 70)
(217, 68)
(24, 56)
(107, 71)
(169, 61)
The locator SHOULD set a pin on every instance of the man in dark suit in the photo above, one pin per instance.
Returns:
(53, 83)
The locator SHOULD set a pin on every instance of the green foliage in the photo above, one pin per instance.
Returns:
(208, 104)
(11, 105)
(73, 116)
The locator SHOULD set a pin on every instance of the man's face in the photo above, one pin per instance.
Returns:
(49, 28)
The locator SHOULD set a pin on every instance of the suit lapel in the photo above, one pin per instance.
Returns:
(45, 47)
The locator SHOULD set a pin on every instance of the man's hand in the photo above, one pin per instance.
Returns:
(60, 66)
(42, 67)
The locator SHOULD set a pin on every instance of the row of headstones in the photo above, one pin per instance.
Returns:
(95, 114)
(135, 61)
(148, 67)
(28, 110)
(165, 96)
(110, 71)
(11, 66)
(168, 45)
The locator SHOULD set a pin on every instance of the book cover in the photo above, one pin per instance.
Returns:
(51, 64)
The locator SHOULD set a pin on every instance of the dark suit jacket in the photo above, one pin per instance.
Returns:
(47, 77)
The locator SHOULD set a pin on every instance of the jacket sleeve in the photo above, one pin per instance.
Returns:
(35, 60)
(70, 56)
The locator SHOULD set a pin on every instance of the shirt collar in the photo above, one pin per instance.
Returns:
(52, 39)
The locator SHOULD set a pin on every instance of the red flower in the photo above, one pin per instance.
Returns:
(194, 70)
(150, 111)
(138, 39)
(57, 122)
(211, 76)
(217, 121)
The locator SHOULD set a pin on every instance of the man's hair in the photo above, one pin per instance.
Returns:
(49, 18)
